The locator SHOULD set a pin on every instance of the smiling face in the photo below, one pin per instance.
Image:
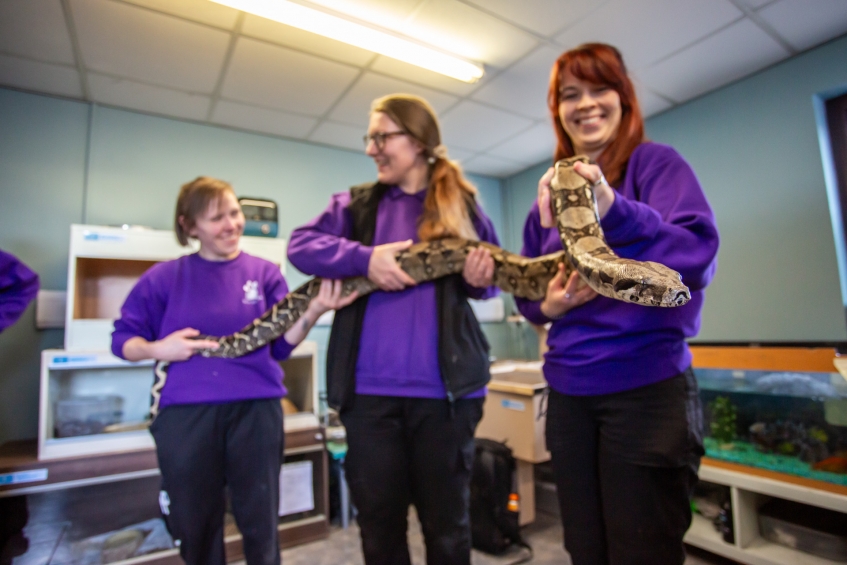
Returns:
(590, 114)
(219, 228)
(399, 156)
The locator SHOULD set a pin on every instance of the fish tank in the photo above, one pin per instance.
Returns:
(780, 409)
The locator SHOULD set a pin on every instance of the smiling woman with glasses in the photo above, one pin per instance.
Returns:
(407, 366)
(379, 138)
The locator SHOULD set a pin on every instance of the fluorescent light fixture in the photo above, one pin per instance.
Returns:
(360, 35)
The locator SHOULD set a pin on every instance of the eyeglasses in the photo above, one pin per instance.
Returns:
(379, 138)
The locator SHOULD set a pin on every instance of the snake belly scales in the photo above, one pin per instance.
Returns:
(585, 249)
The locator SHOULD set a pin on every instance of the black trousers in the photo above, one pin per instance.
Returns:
(205, 448)
(405, 451)
(625, 465)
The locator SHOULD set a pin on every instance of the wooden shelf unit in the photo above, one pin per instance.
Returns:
(750, 486)
(22, 474)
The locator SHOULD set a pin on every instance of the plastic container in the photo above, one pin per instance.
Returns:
(87, 415)
(810, 529)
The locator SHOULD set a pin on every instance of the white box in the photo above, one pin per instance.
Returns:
(104, 264)
(81, 373)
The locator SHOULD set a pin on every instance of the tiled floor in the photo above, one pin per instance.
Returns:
(544, 535)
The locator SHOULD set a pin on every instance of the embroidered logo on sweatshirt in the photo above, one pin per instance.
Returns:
(251, 292)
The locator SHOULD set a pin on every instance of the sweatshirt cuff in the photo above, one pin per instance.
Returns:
(281, 349)
(118, 342)
(531, 310)
(361, 259)
(615, 218)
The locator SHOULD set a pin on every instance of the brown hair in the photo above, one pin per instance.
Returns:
(194, 199)
(599, 63)
(449, 195)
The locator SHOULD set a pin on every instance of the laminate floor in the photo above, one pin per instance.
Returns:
(544, 535)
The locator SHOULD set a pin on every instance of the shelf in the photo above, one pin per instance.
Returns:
(749, 487)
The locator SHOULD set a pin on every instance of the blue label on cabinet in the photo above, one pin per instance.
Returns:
(74, 359)
(33, 476)
(94, 236)
(513, 404)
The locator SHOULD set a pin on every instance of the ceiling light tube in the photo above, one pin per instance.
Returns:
(360, 35)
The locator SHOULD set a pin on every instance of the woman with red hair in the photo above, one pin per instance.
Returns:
(624, 417)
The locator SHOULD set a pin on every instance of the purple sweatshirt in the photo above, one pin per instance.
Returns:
(18, 286)
(660, 214)
(398, 351)
(216, 298)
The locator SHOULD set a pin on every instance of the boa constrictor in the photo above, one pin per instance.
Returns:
(585, 249)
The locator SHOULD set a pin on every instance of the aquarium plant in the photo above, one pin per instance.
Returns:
(724, 416)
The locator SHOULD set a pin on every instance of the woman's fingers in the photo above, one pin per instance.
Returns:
(544, 210)
(479, 268)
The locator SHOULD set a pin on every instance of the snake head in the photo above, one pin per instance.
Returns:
(660, 286)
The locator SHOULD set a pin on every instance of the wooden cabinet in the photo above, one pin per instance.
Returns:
(70, 502)
(513, 415)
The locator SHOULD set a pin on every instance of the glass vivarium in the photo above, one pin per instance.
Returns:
(785, 421)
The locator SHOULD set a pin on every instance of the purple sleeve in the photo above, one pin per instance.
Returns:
(18, 286)
(275, 290)
(141, 314)
(323, 247)
(485, 229)
(532, 238)
(669, 221)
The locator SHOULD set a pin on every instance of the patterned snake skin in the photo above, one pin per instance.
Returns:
(585, 249)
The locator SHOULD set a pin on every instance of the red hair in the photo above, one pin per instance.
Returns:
(599, 63)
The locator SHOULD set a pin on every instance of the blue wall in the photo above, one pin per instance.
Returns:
(64, 162)
(755, 148)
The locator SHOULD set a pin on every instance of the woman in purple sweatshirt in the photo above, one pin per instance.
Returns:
(220, 421)
(406, 365)
(18, 286)
(624, 418)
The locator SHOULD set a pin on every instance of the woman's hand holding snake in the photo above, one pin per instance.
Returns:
(544, 209)
(329, 298)
(565, 293)
(179, 345)
(602, 191)
(383, 269)
(479, 268)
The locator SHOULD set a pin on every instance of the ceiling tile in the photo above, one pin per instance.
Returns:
(259, 119)
(385, 13)
(477, 127)
(40, 77)
(202, 11)
(458, 154)
(737, 51)
(355, 107)
(275, 32)
(492, 166)
(279, 78)
(522, 88)
(756, 4)
(651, 103)
(147, 98)
(124, 40)
(544, 17)
(663, 27)
(417, 75)
(806, 24)
(35, 29)
(339, 135)
(468, 32)
(529, 147)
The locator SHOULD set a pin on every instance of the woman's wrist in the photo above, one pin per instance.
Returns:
(551, 312)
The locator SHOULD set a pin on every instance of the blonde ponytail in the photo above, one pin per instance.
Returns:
(449, 196)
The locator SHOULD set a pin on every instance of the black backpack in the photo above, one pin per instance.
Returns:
(494, 500)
